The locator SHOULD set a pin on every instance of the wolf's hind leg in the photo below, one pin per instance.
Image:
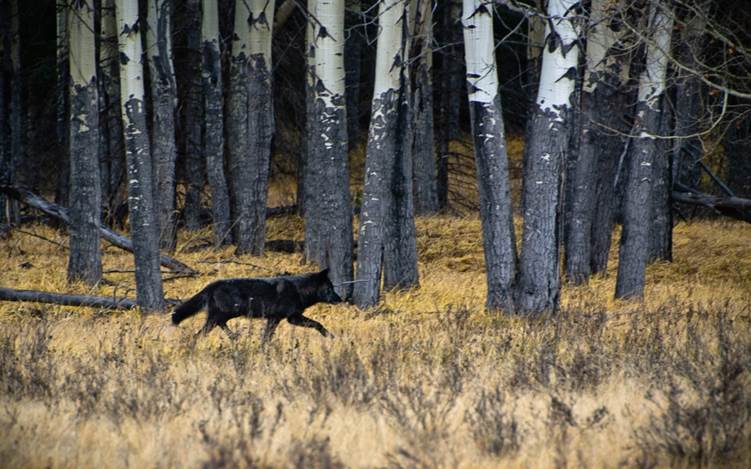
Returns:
(270, 328)
(300, 320)
(207, 327)
(232, 335)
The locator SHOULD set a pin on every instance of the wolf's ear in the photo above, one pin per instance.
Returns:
(325, 272)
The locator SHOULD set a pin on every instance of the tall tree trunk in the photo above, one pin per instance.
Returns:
(661, 234)
(637, 211)
(602, 97)
(85, 259)
(164, 98)
(353, 45)
(535, 45)
(192, 116)
(688, 151)
(539, 276)
(426, 190)
(213, 129)
(112, 151)
(737, 142)
(17, 110)
(304, 186)
(143, 218)
(490, 154)
(5, 108)
(328, 214)
(387, 237)
(251, 122)
(451, 94)
(62, 104)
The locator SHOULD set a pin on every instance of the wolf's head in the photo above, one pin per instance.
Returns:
(326, 292)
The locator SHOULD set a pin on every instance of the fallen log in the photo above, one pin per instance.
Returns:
(107, 302)
(10, 294)
(735, 207)
(61, 213)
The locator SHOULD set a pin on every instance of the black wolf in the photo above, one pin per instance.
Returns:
(273, 298)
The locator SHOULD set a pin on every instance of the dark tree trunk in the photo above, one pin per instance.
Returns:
(376, 200)
(332, 218)
(5, 106)
(238, 150)
(251, 116)
(213, 137)
(451, 94)
(112, 148)
(85, 259)
(17, 111)
(495, 203)
(608, 167)
(637, 210)
(164, 96)
(62, 105)
(353, 47)
(400, 246)
(425, 183)
(539, 278)
(192, 125)
(603, 100)
(305, 179)
(261, 132)
(689, 90)
(661, 234)
(737, 143)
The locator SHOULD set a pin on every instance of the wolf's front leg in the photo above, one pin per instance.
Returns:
(302, 321)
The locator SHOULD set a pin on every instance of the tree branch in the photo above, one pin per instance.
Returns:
(61, 213)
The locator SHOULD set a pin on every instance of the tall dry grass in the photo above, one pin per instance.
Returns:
(426, 379)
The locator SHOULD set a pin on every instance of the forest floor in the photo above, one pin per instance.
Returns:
(426, 379)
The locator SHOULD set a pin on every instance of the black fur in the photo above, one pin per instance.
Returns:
(273, 298)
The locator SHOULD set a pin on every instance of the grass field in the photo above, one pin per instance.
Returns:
(426, 379)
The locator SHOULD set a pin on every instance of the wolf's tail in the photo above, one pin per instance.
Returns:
(190, 307)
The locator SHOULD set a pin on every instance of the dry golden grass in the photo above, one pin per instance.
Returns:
(426, 379)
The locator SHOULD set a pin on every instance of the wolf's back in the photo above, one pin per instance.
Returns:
(190, 307)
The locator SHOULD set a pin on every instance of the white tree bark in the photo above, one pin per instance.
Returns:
(143, 222)
(490, 154)
(559, 58)
(328, 214)
(387, 233)
(538, 288)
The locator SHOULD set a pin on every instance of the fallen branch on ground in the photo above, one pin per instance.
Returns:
(61, 213)
(735, 207)
(10, 294)
(107, 302)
